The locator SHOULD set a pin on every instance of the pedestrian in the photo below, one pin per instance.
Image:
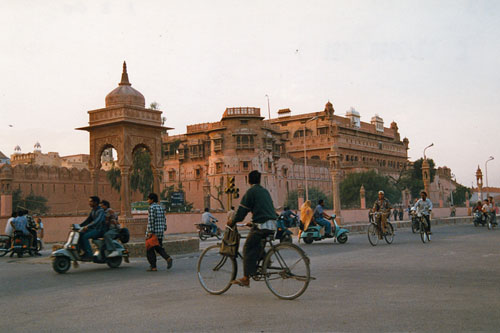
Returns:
(395, 213)
(401, 213)
(157, 225)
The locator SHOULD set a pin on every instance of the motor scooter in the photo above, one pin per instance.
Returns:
(313, 233)
(18, 244)
(71, 252)
(479, 218)
(282, 231)
(205, 231)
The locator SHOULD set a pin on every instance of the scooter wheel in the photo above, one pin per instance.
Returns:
(61, 264)
(342, 239)
(308, 240)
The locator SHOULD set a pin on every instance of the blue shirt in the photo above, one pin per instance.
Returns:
(21, 223)
(95, 220)
(318, 212)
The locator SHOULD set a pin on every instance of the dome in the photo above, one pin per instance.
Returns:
(37, 146)
(17, 150)
(124, 93)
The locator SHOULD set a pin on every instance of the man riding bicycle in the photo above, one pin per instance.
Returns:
(424, 208)
(258, 201)
(383, 207)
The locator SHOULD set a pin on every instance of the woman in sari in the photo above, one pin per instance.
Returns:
(306, 215)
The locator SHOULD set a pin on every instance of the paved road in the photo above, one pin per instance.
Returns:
(450, 284)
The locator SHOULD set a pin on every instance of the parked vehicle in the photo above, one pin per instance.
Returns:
(205, 231)
(313, 233)
(19, 245)
(71, 252)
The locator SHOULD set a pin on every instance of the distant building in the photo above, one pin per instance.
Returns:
(36, 157)
(4, 159)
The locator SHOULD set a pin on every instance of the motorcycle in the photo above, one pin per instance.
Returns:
(282, 232)
(71, 251)
(313, 233)
(205, 231)
(479, 218)
(19, 244)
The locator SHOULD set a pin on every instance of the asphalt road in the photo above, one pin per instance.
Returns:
(450, 284)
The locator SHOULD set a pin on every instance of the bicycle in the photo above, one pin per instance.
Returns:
(375, 233)
(284, 267)
(422, 226)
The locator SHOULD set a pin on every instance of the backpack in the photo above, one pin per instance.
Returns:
(124, 235)
(230, 242)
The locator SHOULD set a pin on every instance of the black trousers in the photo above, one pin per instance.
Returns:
(428, 220)
(151, 253)
(253, 250)
(33, 238)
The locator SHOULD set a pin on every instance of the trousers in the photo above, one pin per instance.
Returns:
(252, 250)
(151, 253)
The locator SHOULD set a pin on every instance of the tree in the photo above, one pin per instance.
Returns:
(315, 194)
(459, 195)
(141, 178)
(412, 177)
(373, 183)
(114, 177)
(35, 204)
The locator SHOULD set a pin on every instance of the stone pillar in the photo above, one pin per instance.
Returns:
(6, 191)
(300, 195)
(479, 179)
(94, 178)
(362, 197)
(206, 194)
(426, 176)
(156, 181)
(126, 212)
(467, 202)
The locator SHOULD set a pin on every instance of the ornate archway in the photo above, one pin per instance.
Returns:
(124, 124)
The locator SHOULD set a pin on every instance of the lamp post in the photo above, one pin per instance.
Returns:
(268, 108)
(426, 172)
(432, 144)
(486, 170)
(305, 155)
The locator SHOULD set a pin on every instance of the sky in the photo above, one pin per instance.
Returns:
(431, 66)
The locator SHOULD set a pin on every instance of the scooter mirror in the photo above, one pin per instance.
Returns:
(334, 216)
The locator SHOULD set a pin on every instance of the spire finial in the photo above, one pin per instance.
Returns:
(124, 81)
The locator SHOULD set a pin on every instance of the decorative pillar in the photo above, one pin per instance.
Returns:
(300, 195)
(479, 179)
(94, 178)
(156, 181)
(467, 202)
(362, 197)
(125, 193)
(426, 177)
(6, 191)
(206, 194)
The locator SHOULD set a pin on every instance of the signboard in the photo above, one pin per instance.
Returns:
(177, 198)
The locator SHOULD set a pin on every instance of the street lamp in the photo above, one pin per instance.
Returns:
(268, 108)
(486, 170)
(432, 144)
(305, 155)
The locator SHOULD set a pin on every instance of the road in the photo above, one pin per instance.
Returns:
(450, 284)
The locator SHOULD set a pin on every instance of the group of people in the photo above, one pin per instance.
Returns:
(28, 225)
(487, 208)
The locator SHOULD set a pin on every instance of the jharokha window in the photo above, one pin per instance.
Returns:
(219, 167)
(244, 142)
(171, 175)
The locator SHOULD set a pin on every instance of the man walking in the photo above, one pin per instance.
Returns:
(157, 225)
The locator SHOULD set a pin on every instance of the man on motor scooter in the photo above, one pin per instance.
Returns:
(288, 216)
(320, 217)
(208, 219)
(93, 226)
(382, 206)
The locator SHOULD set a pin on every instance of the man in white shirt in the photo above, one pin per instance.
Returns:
(208, 219)
(9, 231)
(423, 208)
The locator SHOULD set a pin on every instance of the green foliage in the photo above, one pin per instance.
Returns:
(35, 204)
(114, 177)
(165, 198)
(459, 195)
(141, 178)
(412, 178)
(372, 182)
(315, 195)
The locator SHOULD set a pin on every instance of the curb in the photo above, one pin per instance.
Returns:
(407, 224)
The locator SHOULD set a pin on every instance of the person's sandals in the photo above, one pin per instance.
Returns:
(151, 269)
(169, 262)
(241, 282)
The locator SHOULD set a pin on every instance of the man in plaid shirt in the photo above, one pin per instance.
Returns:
(157, 225)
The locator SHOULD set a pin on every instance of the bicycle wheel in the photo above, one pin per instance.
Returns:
(373, 234)
(215, 271)
(423, 233)
(389, 233)
(286, 271)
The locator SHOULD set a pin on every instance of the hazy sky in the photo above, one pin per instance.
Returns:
(431, 66)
